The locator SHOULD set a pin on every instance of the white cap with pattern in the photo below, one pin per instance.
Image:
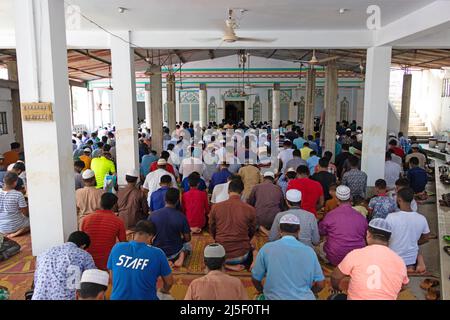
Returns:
(214, 250)
(343, 193)
(289, 219)
(380, 224)
(95, 276)
(87, 174)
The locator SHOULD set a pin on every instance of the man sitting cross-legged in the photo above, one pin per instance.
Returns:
(409, 230)
(173, 232)
(14, 219)
(291, 268)
(135, 266)
(376, 272)
(216, 284)
(233, 224)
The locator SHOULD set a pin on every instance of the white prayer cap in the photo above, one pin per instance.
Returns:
(291, 170)
(358, 131)
(380, 224)
(201, 142)
(95, 276)
(88, 174)
(294, 195)
(392, 134)
(343, 193)
(133, 173)
(222, 141)
(267, 143)
(348, 129)
(269, 174)
(214, 250)
(289, 219)
(162, 162)
(86, 150)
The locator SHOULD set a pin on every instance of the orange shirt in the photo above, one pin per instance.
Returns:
(87, 161)
(10, 157)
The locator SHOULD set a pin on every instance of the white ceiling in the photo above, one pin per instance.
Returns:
(210, 14)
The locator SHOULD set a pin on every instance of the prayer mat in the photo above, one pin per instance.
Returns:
(16, 274)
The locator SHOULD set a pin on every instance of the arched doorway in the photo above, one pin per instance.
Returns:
(234, 111)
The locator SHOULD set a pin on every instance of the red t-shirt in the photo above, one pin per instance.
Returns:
(103, 228)
(196, 207)
(398, 151)
(311, 192)
(169, 167)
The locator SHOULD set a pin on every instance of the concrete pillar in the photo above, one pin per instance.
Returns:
(331, 95)
(71, 107)
(43, 77)
(203, 105)
(171, 101)
(148, 106)
(125, 112)
(310, 101)
(359, 106)
(276, 108)
(376, 106)
(156, 111)
(91, 106)
(406, 102)
(15, 99)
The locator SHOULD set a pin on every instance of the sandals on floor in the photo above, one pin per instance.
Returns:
(433, 294)
(447, 250)
(429, 283)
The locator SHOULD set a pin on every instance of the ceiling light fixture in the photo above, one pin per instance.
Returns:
(121, 9)
(343, 10)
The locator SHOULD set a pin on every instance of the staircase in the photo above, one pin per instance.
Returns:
(417, 126)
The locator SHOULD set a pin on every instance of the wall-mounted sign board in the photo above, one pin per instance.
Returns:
(37, 111)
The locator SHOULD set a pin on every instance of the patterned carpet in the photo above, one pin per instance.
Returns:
(17, 273)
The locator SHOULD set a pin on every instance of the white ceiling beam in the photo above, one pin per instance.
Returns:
(430, 19)
(78, 39)
(292, 39)
(439, 40)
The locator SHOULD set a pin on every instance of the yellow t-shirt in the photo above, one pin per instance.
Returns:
(305, 152)
(101, 167)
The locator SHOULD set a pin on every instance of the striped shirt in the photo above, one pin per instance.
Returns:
(103, 228)
(11, 217)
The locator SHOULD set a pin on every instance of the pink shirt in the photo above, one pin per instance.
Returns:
(376, 272)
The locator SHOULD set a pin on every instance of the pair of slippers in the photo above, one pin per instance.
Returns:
(431, 286)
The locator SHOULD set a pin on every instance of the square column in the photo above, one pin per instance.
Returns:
(331, 97)
(376, 104)
(171, 103)
(203, 104)
(308, 122)
(406, 103)
(91, 106)
(148, 106)
(42, 67)
(276, 106)
(125, 108)
(156, 108)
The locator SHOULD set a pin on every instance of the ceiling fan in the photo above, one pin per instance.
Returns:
(314, 61)
(230, 36)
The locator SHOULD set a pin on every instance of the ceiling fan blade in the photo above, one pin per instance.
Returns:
(328, 59)
(207, 39)
(255, 39)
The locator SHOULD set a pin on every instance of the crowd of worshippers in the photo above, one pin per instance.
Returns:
(314, 206)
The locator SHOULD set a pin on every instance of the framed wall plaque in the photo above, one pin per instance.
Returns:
(36, 111)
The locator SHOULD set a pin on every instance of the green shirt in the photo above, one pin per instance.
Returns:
(101, 167)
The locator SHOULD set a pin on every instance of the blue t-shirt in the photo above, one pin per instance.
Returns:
(170, 225)
(219, 178)
(290, 268)
(418, 179)
(186, 188)
(157, 199)
(146, 162)
(135, 268)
